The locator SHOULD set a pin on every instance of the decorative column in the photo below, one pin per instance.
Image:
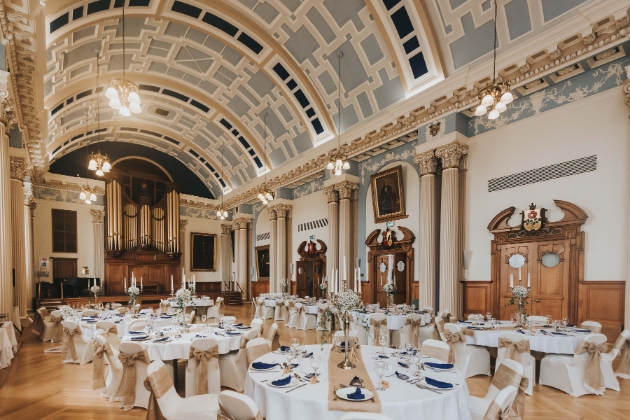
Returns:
(450, 260)
(626, 91)
(274, 286)
(346, 231)
(7, 119)
(99, 250)
(240, 247)
(226, 254)
(332, 255)
(236, 227)
(18, 172)
(182, 248)
(428, 228)
(29, 209)
(283, 212)
(355, 229)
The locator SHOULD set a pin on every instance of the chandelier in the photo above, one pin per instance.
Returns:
(87, 195)
(99, 163)
(265, 194)
(338, 161)
(221, 211)
(122, 93)
(498, 96)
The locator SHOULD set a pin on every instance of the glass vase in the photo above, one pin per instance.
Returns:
(346, 364)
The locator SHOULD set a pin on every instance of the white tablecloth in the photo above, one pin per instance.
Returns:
(559, 344)
(179, 348)
(312, 310)
(402, 401)
(196, 302)
(8, 344)
(394, 322)
(122, 324)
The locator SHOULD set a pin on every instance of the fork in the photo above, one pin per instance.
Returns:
(427, 388)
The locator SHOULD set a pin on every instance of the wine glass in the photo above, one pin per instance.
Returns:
(204, 318)
(513, 318)
(336, 340)
(488, 316)
(556, 324)
(565, 322)
(295, 343)
(315, 362)
(548, 319)
(382, 340)
(380, 367)
(409, 348)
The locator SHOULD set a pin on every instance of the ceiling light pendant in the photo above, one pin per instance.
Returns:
(99, 163)
(265, 194)
(496, 97)
(221, 211)
(87, 195)
(338, 162)
(123, 94)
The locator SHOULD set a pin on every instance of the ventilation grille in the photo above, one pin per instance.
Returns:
(263, 236)
(559, 170)
(312, 225)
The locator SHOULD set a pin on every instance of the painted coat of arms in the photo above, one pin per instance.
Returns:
(533, 217)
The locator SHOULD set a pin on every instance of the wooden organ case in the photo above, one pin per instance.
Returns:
(142, 226)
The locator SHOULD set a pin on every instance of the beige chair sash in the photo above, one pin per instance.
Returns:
(255, 352)
(623, 345)
(127, 387)
(203, 357)
(279, 303)
(505, 376)
(517, 410)
(414, 332)
(439, 327)
(164, 307)
(244, 342)
(38, 323)
(513, 350)
(224, 414)
(69, 341)
(451, 338)
(98, 364)
(377, 328)
(436, 353)
(57, 328)
(111, 329)
(158, 385)
(493, 412)
(593, 377)
(275, 342)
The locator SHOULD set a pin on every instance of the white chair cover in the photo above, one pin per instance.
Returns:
(114, 372)
(594, 326)
(56, 317)
(519, 348)
(213, 312)
(256, 348)
(233, 405)
(509, 374)
(293, 315)
(207, 348)
(305, 321)
(139, 324)
(269, 312)
(128, 356)
(233, 366)
(110, 332)
(257, 324)
(47, 326)
(89, 312)
(190, 317)
(381, 321)
(410, 332)
(623, 346)
(83, 347)
(473, 360)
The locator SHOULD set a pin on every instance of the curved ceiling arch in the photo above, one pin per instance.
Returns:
(170, 177)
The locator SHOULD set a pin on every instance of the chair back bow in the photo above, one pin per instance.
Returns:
(436, 352)
(158, 384)
(505, 376)
(377, 324)
(593, 377)
(57, 328)
(127, 388)
(452, 338)
(513, 350)
(98, 364)
(254, 352)
(203, 357)
(164, 305)
(414, 333)
(69, 341)
(279, 303)
(224, 414)
(623, 345)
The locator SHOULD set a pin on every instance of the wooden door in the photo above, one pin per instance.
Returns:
(507, 251)
(64, 268)
(301, 278)
(318, 272)
(381, 279)
(400, 275)
(550, 280)
(156, 276)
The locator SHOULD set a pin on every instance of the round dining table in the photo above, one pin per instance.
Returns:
(308, 309)
(394, 321)
(544, 340)
(402, 401)
(8, 343)
(88, 325)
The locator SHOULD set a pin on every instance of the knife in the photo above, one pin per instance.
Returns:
(293, 389)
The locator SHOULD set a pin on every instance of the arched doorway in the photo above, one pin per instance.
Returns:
(310, 268)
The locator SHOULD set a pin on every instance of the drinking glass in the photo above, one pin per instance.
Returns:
(382, 340)
(295, 343)
(415, 362)
(315, 362)
(413, 307)
(556, 324)
(548, 319)
(409, 348)
(513, 318)
(488, 316)
(565, 322)
(204, 318)
(380, 367)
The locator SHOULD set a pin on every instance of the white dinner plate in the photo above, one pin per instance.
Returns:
(424, 383)
(343, 393)
(294, 381)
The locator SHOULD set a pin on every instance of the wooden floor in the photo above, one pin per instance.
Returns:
(39, 386)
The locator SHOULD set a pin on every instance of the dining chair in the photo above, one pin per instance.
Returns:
(293, 315)
(233, 405)
(538, 319)
(47, 327)
(594, 326)
(203, 349)
(410, 332)
(233, 365)
(499, 406)
(122, 310)
(279, 313)
(470, 359)
(516, 346)
(77, 348)
(256, 348)
(474, 316)
(259, 305)
(257, 324)
(509, 374)
(190, 317)
(139, 324)
(568, 373)
(174, 407)
(364, 416)
(213, 313)
(436, 349)
(428, 309)
(622, 344)
(89, 312)
(273, 338)
(269, 312)
(306, 321)
(380, 322)
(114, 370)
(110, 332)
(133, 356)
(56, 317)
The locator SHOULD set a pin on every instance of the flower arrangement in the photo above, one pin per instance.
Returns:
(519, 297)
(520, 291)
(390, 290)
(284, 287)
(183, 296)
(95, 290)
(133, 292)
(346, 301)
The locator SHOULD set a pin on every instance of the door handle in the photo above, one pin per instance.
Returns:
(537, 300)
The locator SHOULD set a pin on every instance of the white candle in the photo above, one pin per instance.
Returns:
(125, 286)
(345, 271)
(172, 288)
(519, 274)
(183, 278)
(194, 282)
(529, 280)
(511, 280)
(141, 282)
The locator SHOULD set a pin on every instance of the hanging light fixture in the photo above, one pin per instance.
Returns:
(494, 98)
(338, 162)
(96, 161)
(123, 93)
(265, 194)
(221, 211)
(87, 195)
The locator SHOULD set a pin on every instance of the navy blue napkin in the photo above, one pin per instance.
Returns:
(474, 328)
(139, 338)
(570, 325)
(283, 381)
(166, 316)
(356, 395)
(464, 322)
(293, 365)
(161, 340)
(356, 381)
(382, 356)
(557, 333)
(520, 331)
(263, 366)
(405, 365)
(200, 336)
(136, 332)
(285, 348)
(240, 324)
(440, 365)
(579, 330)
(94, 316)
(402, 376)
(243, 327)
(120, 315)
(414, 352)
(438, 384)
(233, 333)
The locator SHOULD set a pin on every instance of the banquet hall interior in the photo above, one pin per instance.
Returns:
(315, 209)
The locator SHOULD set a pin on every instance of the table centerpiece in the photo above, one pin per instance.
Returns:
(390, 290)
(94, 290)
(345, 302)
(520, 295)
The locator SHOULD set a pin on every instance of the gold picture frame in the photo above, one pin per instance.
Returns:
(388, 198)
(203, 252)
(262, 268)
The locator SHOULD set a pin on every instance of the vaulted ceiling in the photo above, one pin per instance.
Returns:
(211, 72)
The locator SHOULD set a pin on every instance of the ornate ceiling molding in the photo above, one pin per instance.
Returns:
(69, 186)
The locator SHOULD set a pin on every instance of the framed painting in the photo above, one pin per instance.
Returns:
(387, 195)
(203, 255)
(262, 263)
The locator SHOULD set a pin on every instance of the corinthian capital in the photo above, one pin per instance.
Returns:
(345, 189)
(225, 229)
(7, 110)
(272, 213)
(240, 223)
(18, 168)
(451, 154)
(427, 162)
(332, 194)
(282, 210)
(97, 216)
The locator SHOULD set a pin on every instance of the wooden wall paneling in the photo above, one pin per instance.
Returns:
(293, 287)
(415, 290)
(602, 301)
(259, 287)
(114, 278)
(477, 297)
(208, 288)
